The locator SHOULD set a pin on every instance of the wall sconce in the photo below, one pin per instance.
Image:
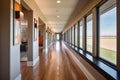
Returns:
(35, 23)
(17, 14)
(17, 11)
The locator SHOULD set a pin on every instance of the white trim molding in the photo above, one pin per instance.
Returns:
(32, 63)
(18, 77)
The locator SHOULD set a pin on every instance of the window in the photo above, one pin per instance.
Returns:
(67, 36)
(73, 35)
(63, 37)
(80, 34)
(70, 35)
(89, 35)
(107, 35)
(76, 35)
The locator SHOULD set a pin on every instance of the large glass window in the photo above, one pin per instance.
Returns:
(70, 35)
(107, 25)
(67, 37)
(73, 35)
(80, 34)
(89, 32)
(76, 35)
(57, 36)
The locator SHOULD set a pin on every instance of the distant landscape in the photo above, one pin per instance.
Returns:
(107, 47)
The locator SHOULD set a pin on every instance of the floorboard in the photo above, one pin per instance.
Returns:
(55, 64)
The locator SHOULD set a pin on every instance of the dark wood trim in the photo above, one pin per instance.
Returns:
(98, 32)
(95, 33)
(71, 34)
(118, 35)
(78, 34)
(84, 33)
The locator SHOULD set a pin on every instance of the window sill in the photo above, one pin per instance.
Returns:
(107, 71)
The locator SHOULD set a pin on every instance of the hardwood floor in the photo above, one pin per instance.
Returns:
(54, 64)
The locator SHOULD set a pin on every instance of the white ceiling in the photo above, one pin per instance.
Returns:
(51, 9)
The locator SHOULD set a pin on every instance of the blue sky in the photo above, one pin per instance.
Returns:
(108, 23)
(89, 28)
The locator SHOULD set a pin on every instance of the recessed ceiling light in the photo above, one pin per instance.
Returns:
(58, 1)
(58, 16)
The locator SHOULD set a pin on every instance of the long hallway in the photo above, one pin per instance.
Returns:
(60, 40)
(55, 64)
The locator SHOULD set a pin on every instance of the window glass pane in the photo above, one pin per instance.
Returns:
(89, 33)
(67, 37)
(58, 36)
(107, 14)
(81, 34)
(73, 35)
(64, 36)
(70, 35)
(76, 35)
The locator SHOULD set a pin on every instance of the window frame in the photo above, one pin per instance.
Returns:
(96, 58)
(73, 37)
(76, 25)
(98, 39)
(80, 34)
(86, 32)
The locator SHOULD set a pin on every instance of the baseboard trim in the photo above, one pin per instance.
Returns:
(36, 61)
(43, 50)
(18, 77)
(29, 63)
(32, 63)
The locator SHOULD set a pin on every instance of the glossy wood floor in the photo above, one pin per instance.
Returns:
(54, 64)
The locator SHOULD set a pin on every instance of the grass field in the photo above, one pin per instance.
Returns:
(107, 48)
(89, 48)
(108, 55)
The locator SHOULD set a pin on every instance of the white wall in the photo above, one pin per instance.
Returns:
(14, 51)
(9, 53)
(33, 45)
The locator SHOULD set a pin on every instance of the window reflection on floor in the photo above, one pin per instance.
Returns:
(57, 45)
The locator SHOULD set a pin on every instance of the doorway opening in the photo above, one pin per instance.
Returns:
(41, 27)
(57, 36)
(24, 35)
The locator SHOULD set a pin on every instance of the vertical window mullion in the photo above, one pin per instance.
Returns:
(71, 36)
(84, 33)
(74, 34)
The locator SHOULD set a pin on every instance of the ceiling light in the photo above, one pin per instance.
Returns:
(58, 1)
(58, 16)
